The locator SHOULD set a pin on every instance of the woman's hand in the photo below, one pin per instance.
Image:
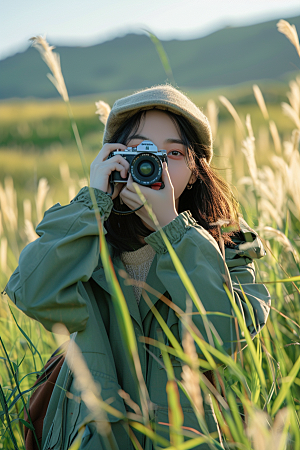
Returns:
(162, 201)
(101, 168)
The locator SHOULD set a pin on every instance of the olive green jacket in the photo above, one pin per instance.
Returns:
(60, 278)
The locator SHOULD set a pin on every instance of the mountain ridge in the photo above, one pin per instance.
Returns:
(224, 57)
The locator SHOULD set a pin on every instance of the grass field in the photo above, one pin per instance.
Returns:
(257, 151)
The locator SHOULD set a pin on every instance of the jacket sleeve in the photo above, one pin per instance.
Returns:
(45, 284)
(204, 264)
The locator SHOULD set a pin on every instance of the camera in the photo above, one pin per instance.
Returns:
(145, 163)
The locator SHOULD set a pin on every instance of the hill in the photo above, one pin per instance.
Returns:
(226, 57)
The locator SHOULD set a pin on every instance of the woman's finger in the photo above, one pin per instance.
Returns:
(129, 184)
(130, 198)
(130, 195)
(118, 159)
(166, 176)
(114, 165)
(107, 149)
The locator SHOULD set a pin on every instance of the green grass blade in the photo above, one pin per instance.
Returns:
(6, 414)
(31, 345)
(247, 336)
(162, 56)
(285, 388)
(76, 444)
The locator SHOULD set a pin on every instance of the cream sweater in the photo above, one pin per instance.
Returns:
(137, 264)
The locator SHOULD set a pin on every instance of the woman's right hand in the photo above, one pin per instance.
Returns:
(101, 168)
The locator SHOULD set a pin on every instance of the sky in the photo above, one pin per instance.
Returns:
(88, 22)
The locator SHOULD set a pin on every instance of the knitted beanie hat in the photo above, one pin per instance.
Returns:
(164, 97)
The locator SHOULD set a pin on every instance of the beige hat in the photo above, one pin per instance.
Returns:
(164, 97)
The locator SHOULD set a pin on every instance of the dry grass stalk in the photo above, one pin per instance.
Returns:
(269, 233)
(295, 140)
(263, 141)
(212, 115)
(288, 150)
(294, 184)
(260, 101)
(228, 146)
(275, 136)
(84, 382)
(53, 62)
(27, 209)
(248, 148)
(249, 127)
(264, 436)
(272, 188)
(72, 191)
(48, 202)
(277, 189)
(291, 113)
(11, 194)
(269, 213)
(3, 254)
(103, 110)
(190, 374)
(1, 224)
(8, 211)
(82, 182)
(66, 178)
(65, 172)
(126, 397)
(290, 32)
(29, 231)
(42, 191)
(294, 96)
(233, 112)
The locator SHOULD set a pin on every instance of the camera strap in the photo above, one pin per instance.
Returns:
(126, 213)
(122, 213)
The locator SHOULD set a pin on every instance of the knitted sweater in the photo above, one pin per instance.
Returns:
(137, 264)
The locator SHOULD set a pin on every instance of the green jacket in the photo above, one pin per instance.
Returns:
(60, 278)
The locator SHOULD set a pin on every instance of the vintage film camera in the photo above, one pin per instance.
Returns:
(145, 162)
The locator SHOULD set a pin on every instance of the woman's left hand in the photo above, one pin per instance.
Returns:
(162, 201)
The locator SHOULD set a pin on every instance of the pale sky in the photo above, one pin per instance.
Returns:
(87, 22)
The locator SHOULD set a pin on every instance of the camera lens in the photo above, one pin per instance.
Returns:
(146, 168)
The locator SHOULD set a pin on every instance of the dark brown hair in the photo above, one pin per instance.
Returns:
(210, 200)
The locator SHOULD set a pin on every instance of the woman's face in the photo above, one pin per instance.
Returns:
(159, 128)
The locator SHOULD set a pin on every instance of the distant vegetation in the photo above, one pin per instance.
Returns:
(36, 136)
(224, 58)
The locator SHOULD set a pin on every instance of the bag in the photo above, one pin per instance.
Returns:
(39, 400)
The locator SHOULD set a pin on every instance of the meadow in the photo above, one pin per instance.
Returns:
(257, 150)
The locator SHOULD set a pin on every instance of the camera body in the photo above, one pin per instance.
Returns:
(145, 164)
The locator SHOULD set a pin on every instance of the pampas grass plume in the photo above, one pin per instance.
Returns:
(190, 373)
(290, 32)
(84, 382)
(103, 110)
(42, 191)
(260, 101)
(275, 136)
(3, 254)
(212, 115)
(233, 112)
(53, 62)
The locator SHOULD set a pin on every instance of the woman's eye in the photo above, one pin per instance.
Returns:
(175, 153)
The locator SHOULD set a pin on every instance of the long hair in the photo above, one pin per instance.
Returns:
(210, 201)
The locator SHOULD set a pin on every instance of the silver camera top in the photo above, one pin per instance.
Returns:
(145, 146)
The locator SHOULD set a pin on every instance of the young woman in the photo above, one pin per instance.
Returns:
(60, 277)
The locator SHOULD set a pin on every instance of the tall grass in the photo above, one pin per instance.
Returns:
(256, 399)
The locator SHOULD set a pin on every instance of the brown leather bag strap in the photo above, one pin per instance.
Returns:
(40, 398)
